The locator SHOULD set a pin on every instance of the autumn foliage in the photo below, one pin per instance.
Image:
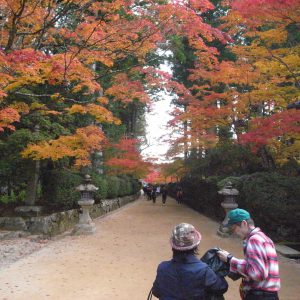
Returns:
(126, 159)
(250, 91)
(66, 65)
(63, 65)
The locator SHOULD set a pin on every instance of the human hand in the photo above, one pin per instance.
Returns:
(223, 254)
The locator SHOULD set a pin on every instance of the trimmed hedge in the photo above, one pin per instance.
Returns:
(274, 202)
(58, 188)
(100, 182)
(202, 196)
(113, 187)
(272, 199)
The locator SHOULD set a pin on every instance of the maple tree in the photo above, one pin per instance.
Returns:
(249, 91)
(126, 159)
(272, 58)
(156, 176)
(59, 47)
(75, 75)
(175, 169)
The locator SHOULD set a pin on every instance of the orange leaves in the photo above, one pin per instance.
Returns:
(7, 117)
(79, 145)
(31, 67)
(154, 176)
(20, 107)
(127, 159)
(202, 5)
(126, 90)
(57, 52)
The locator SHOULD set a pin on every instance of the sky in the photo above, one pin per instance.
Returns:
(157, 130)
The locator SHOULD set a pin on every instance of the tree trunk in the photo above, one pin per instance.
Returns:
(267, 159)
(32, 183)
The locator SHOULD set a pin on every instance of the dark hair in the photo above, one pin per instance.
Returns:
(193, 251)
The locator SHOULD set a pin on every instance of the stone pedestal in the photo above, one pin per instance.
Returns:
(228, 204)
(224, 231)
(85, 224)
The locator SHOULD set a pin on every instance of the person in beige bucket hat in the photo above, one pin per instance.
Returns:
(185, 277)
(185, 237)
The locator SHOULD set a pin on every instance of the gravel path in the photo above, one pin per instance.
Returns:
(119, 261)
(14, 249)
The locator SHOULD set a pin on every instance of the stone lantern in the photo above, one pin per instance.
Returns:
(85, 224)
(228, 204)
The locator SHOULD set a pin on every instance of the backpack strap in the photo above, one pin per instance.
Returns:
(150, 295)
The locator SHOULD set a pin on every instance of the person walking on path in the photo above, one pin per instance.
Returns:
(153, 194)
(179, 194)
(164, 194)
(259, 269)
(185, 277)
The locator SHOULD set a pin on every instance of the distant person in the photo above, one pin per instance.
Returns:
(153, 194)
(142, 193)
(179, 195)
(185, 277)
(164, 194)
(148, 191)
(158, 190)
(259, 269)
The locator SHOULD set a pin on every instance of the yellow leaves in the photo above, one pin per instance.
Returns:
(102, 100)
(100, 113)
(79, 145)
(284, 151)
(76, 108)
(273, 36)
(56, 97)
(20, 107)
(37, 105)
(43, 109)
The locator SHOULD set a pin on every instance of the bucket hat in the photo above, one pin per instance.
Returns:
(237, 215)
(185, 237)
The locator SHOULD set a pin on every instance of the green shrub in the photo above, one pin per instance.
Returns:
(129, 187)
(236, 182)
(13, 197)
(123, 187)
(22, 194)
(201, 195)
(215, 179)
(274, 202)
(135, 186)
(58, 188)
(113, 184)
(5, 199)
(100, 182)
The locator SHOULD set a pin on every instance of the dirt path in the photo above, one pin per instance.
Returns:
(119, 262)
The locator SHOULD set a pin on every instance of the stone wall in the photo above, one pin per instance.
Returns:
(60, 222)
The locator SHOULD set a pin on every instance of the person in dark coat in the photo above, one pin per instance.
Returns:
(164, 194)
(185, 277)
(153, 194)
(179, 194)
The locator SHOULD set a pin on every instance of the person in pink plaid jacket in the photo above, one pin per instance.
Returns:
(259, 268)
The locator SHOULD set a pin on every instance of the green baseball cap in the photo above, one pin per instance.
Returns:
(237, 215)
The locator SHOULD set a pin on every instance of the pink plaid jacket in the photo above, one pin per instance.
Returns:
(260, 268)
